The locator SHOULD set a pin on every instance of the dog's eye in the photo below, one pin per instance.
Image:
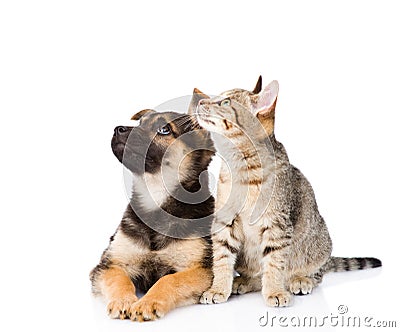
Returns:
(225, 102)
(166, 130)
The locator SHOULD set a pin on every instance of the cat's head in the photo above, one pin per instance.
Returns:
(238, 109)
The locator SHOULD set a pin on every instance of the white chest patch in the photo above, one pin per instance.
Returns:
(152, 190)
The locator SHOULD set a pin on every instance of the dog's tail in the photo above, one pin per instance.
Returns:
(340, 264)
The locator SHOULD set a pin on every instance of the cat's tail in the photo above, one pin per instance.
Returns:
(340, 264)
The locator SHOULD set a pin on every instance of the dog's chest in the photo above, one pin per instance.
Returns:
(182, 254)
(177, 254)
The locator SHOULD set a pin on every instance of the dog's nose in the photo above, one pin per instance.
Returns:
(120, 130)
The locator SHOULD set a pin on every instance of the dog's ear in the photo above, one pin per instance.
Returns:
(138, 115)
(197, 96)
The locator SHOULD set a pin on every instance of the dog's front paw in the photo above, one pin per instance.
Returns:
(147, 309)
(119, 308)
(214, 296)
(278, 299)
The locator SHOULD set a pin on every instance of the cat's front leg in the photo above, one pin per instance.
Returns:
(274, 277)
(225, 248)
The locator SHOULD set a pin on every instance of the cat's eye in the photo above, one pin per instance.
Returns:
(166, 130)
(225, 102)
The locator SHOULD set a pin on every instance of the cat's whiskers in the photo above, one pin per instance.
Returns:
(189, 122)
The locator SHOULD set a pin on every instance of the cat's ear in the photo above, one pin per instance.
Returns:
(266, 100)
(258, 86)
(138, 115)
(197, 96)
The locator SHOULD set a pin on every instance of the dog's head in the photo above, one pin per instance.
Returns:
(164, 139)
(167, 152)
(167, 139)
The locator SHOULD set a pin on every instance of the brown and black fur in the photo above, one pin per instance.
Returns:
(164, 250)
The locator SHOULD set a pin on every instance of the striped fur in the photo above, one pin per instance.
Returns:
(267, 225)
(341, 264)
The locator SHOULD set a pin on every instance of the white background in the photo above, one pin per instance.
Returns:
(70, 71)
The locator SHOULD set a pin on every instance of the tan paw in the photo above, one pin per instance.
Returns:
(278, 299)
(147, 309)
(119, 308)
(301, 285)
(242, 285)
(214, 296)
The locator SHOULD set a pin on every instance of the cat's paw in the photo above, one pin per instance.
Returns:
(301, 285)
(119, 308)
(147, 309)
(242, 285)
(278, 299)
(214, 296)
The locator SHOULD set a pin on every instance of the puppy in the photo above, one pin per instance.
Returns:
(162, 245)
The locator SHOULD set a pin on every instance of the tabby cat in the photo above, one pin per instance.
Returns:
(266, 226)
